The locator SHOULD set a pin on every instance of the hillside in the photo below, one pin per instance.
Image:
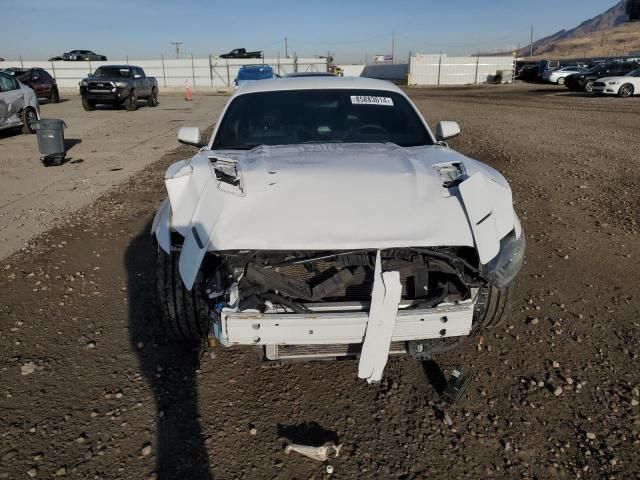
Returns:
(607, 34)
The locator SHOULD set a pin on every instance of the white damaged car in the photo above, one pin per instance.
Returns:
(323, 219)
(624, 86)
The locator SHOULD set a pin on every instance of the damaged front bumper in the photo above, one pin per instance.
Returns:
(324, 327)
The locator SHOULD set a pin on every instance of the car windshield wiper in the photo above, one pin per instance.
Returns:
(238, 147)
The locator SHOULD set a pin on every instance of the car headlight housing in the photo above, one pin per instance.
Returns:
(83, 83)
(120, 84)
(613, 83)
(502, 270)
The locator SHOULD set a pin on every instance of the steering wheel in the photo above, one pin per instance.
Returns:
(371, 129)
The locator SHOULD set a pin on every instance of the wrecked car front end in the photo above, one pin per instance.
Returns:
(333, 250)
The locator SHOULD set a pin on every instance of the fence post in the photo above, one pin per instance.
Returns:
(127, 59)
(21, 64)
(439, 67)
(90, 69)
(53, 69)
(210, 71)
(477, 66)
(228, 78)
(164, 75)
(193, 72)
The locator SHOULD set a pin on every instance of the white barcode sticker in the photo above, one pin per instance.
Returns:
(369, 100)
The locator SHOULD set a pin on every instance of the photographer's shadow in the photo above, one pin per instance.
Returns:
(170, 370)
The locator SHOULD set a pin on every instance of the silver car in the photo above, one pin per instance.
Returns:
(18, 105)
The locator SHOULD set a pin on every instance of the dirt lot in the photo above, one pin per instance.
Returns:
(88, 390)
(104, 148)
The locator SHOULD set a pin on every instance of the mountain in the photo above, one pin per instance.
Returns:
(606, 34)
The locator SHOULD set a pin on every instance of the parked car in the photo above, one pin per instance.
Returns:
(40, 81)
(77, 55)
(624, 86)
(241, 53)
(583, 82)
(252, 73)
(324, 219)
(118, 85)
(18, 104)
(528, 73)
(558, 76)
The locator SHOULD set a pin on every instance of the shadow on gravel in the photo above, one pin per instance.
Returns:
(435, 375)
(169, 369)
(307, 433)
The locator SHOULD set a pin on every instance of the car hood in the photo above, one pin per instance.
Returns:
(105, 79)
(613, 79)
(328, 197)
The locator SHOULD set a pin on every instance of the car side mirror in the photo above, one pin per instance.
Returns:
(446, 130)
(190, 136)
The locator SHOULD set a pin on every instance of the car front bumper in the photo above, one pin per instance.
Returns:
(334, 324)
(115, 95)
(606, 89)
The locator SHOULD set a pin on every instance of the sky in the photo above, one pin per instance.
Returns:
(351, 29)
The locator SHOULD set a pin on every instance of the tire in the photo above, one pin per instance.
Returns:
(184, 313)
(55, 95)
(561, 81)
(626, 90)
(132, 101)
(153, 98)
(87, 105)
(29, 116)
(588, 87)
(490, 308)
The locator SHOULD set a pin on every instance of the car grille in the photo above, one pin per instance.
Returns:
(100, 87)
(360, 292)
(598, 84)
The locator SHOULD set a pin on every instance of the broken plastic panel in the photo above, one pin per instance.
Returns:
(502, 270)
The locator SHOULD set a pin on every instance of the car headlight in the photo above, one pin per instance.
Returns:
(613, 83)
(120, 84)
(502, 270)
(83, 83)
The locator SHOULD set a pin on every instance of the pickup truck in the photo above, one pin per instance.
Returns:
(118, 85)
(241, 53)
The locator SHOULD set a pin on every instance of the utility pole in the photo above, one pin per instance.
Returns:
(286, 48)
(177, 44)
(531, 44)
(393, 47)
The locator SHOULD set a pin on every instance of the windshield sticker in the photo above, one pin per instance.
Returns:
(367, 100)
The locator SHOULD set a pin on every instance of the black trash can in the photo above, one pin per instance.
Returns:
(50, 133)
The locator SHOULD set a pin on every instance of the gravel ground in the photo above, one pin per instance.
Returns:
(89, 389)
(104, 148)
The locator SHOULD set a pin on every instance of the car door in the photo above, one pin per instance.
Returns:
(11, 101)
(38, 83)
(142, 83)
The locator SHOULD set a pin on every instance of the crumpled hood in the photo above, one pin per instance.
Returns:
(327, 197)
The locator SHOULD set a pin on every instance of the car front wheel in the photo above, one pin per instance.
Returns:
(626, 90)
(184, 313)
(29, 117)
(561, 81)
(588, 87)
(87, 105)
(132, 103)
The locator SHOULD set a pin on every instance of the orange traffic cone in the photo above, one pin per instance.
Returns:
(187, 94)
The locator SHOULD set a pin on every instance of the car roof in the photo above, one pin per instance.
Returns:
(317, 83)
(255, 67)
(119, 66)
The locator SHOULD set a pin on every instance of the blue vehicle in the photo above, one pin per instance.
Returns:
(252, 73)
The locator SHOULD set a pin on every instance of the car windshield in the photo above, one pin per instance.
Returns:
(23, 75)
(597, 69)
(259, 73)
(112, 72)
(320, 116)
